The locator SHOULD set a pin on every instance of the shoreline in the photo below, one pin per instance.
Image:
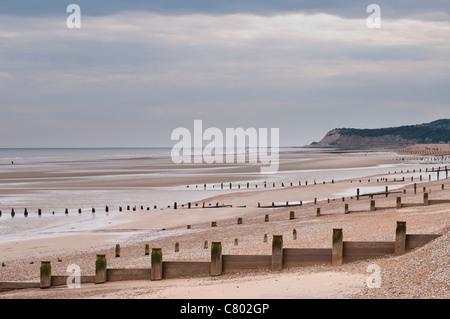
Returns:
(163, 227)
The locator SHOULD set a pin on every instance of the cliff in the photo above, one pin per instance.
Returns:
(434, 132)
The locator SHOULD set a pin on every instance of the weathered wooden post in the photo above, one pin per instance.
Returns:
(106, 209)
(357, 193)
(156, 270)
(315, 201)
(205, 244)
(93, 210)
(100, 269)
(39, 212)
(415, 188)
(291, 214)
(216, 258)
(266, 218)
(265, 238)
(338, 247)
(277, 252)
(346, 209)
(188, 226)
(147, 250)
(239, 220)
(177, 246)
(318, 212)
(399, 202)
(400, 238)
(13, 213)
(442, 187)
(387, 191)
(372, 205)
(425, 199)
(120, 208)
(175, 205)
(236, 241)
(45, 274)
(294, 234)
(117, 250)
(66, 212)
(25, 212)
(213, 224)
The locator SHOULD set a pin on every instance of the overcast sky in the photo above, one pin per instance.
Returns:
(136, 70)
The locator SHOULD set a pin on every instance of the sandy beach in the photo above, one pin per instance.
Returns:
(77, 238)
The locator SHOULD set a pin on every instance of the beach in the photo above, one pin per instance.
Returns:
(145, 182)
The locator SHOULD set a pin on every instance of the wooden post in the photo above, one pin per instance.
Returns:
(315, 201)
(291, 214)
(236, 241)
(346, 209)
(318, 212)
(117, 250)
(177, 246)
(175, 205)
(39, 212)
(372, 205)
(266, 218)
(147, 250)
(239, 220)
(265, 238)
(277, 252)
(357, 193)
(399, 202)
(415, 188)
(338, 247)
(294, 234)
(425, 199)
(216, 258)
(106, 209)
(205, 244)
(46, 274)
(400, 238)
(213, 224)
(100, 269)
(156, 270)
(387, 191)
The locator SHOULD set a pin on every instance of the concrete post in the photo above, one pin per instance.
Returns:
(277, 252)
(400, 238)
(338, 247)
(100, 269)
(216, 258)
(46, 274)
(156, 270)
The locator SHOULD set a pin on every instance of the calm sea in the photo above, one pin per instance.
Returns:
(61, 154)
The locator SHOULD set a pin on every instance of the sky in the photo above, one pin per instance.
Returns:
(137, 70)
